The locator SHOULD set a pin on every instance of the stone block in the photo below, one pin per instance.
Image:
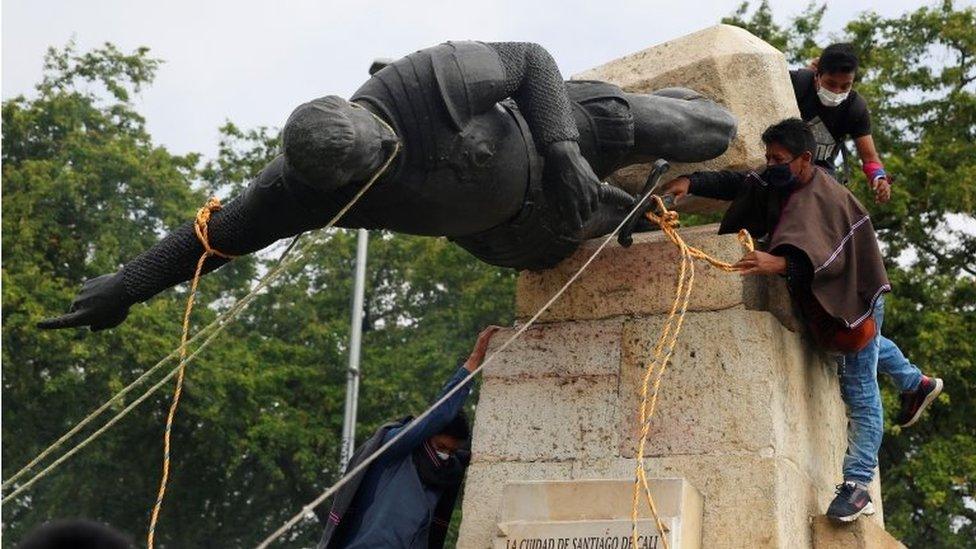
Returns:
(550, 418)
(737, 382)
(640, 280)
(571, 513)
(860, 534)
(482, 504)
(750, 500)
(728, 65)
(562, 349)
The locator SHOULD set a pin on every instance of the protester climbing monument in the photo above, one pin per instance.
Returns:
(749, 432)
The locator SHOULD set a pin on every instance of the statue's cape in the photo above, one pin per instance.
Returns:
(827, 223)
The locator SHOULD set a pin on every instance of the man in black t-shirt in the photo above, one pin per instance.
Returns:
(835, 112)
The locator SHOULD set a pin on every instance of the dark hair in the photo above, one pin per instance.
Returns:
(837, 58)
(458, 427)
(76, 534)
(792, 134)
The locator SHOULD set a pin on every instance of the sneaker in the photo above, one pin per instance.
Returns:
(915, 402)
(852, 501)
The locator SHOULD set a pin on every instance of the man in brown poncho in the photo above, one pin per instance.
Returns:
(820, 238)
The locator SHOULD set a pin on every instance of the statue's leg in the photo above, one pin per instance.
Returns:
(679, 124)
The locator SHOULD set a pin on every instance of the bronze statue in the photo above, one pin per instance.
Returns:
(499, 154)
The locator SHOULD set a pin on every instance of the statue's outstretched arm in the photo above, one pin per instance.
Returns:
(264, 213)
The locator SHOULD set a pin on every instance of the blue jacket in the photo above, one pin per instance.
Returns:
(391, 506)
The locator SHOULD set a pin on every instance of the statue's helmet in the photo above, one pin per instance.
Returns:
(330, 142)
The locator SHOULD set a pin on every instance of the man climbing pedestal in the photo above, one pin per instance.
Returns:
(496, 155)
(821, 240)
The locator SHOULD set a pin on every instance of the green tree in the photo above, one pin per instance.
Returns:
(257, 435)
(917, 74)
(83, 187)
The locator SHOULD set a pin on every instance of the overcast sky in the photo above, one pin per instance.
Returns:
(253, 62)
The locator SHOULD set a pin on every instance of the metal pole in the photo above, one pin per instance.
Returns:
(355, 340)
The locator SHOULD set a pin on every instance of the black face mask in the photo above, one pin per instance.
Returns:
(779, 176)
(435, 472)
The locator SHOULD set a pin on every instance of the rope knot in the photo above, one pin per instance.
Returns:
(667, 219)
(200, 225)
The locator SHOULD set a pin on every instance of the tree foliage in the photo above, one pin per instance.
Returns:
(918, 76)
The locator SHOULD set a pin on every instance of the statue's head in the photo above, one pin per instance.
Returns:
(331, 142)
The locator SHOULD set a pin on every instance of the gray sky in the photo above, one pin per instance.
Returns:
(253, 62)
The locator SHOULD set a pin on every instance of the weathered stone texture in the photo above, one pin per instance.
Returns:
(863, 534)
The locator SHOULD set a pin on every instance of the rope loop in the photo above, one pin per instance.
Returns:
(200, 226)
(668, 221)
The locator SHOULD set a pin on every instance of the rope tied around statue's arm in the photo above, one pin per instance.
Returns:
(200, 226)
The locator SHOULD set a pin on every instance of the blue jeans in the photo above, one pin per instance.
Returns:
(892, 361)
(858, 374)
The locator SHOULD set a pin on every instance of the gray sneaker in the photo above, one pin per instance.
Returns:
(852, 501)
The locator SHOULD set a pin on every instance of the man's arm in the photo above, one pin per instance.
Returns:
(723, 185)
(873, 169)
(859, 128)
(267, 211)
(442, 415)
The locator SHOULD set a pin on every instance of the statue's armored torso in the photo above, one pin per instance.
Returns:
(466, 161)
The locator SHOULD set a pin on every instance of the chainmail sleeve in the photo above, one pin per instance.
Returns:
(267, 211)
(173, 259)
(533, 80)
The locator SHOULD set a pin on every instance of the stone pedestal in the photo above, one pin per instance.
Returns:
(725, 63)
(748, 415)
(863, 534)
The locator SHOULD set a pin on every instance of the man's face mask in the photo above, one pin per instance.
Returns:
(833, 88)
(829, 98)
(779, 176)
(443, 456)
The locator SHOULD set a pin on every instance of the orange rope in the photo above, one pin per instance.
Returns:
(664, 348)
(202, 231)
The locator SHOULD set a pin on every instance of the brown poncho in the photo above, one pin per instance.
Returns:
(826, 222)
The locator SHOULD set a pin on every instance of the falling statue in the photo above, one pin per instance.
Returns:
(498, 154)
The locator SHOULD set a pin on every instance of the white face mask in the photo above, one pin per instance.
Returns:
(443, 456)
(829, 98)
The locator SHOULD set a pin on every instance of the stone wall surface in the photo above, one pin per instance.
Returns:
(862, 534)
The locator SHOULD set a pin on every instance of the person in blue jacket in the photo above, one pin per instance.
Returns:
(405, 497)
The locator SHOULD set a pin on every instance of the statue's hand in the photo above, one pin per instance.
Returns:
(571, 183)
(102, 303)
